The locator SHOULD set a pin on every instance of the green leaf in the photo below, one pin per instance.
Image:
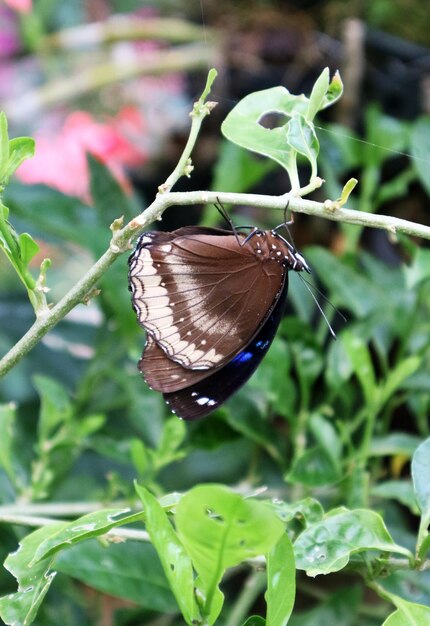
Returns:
(408, 614)
(172, 436)
(385, 135)
(394, 444)
(20, 608)
(7, 419)
(340, 609)
(397, 376)
(318, 94)
(173, 556)
(55, 406)
(362, 366)
(129, 570)
(241, 126)
(255, 620)
(281, 583)
(421, 477)
(420, 468)
(420, 150)
(20, 149)
(85, 527)
(237, 170)
(107, 194)
(28, 247)
(307, 511)
(302, 137)
(327, 546)
(419, 269)
(314, 468)
(220, 529)
(400, 490)
(348, 288)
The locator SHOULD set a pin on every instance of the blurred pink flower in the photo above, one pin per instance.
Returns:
(23, 6)
(60, 159)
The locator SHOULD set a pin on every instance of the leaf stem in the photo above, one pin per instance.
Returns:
(253, 587)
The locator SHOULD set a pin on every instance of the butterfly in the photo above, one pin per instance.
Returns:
(211, 301)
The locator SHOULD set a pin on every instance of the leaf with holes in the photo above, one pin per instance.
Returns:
(173, 556)
(220, 529)
(328, 545)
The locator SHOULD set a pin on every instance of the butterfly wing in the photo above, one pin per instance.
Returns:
(207, 394)
(200, 294)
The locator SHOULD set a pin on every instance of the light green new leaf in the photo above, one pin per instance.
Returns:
(20, 608)
(281, 583)
(328, 545)
(85, 527)
(20, 149)
(302, 137)
(28, 247)
(220, 529)
(242, 125)
(173, 556)
(408, 614)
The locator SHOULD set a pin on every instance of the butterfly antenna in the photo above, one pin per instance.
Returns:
(310, 287)
(224, 214)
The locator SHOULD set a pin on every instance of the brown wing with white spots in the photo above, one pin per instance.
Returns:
(163, 374)
(202, 297)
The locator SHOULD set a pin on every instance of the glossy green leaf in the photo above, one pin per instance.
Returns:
(220, 529)
(281, 583)
(172, 437)
(20, 608)
(85, 527)
(420, 150)
(408, 614)
(173, 556)
(307, 511)
(328, 545)
(129, 570)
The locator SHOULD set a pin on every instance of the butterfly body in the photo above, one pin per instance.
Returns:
(211, 301)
